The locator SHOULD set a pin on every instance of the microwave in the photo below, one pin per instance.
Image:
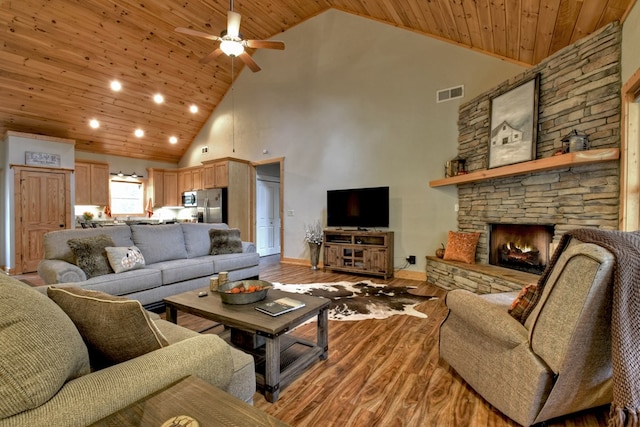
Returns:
(189, 199)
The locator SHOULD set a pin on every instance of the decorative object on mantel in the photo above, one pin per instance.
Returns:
(575, 141)
(454, 167)
(514, 123)
(440, 251)
(313, 235)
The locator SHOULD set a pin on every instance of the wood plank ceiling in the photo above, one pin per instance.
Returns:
(58, 56)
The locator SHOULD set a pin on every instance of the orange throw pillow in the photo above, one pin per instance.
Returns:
(462, 247)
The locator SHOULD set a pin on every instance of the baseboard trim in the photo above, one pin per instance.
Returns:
(298, 261)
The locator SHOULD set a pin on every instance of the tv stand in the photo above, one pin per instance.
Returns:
(359, 251)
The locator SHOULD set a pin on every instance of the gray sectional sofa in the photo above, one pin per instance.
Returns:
(177, 259)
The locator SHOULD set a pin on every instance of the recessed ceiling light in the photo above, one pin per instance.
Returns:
(193, 108)
(139, 133)
(116, 86)
(173, 140)
(158, 99)
(94, 123)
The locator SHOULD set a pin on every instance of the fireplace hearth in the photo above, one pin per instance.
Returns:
(523, 247)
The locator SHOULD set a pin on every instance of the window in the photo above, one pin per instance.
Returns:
(127, 197)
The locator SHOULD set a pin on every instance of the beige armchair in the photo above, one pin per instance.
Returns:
(559, 361)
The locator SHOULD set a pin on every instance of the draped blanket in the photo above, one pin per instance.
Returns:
(625, 317)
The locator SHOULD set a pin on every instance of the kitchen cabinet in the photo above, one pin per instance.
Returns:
(155, 186)
(234, 175)
(91, 183)
(171, 188)
(216, 173)
(189, 180)
(162, 187)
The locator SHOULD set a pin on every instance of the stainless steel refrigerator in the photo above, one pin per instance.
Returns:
(211, 206)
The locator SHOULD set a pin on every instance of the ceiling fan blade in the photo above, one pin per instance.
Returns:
(264, 44)
(213, 55)
(196, 33)
(248, 60)
(233, 24)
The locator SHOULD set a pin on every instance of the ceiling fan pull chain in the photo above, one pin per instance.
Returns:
(233, 106)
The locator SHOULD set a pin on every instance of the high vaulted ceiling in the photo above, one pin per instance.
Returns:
(58, 56)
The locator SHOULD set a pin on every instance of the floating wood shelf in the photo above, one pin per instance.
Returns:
(579, 158)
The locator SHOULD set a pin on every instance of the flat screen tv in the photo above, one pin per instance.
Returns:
(358, 207)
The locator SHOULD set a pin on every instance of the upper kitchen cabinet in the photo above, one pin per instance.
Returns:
(92, 183)
(216, 173)
(171, 188)
(189, 179)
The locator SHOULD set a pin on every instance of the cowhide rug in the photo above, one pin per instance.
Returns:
(362, 300)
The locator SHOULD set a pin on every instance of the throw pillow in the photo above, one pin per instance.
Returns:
(90, 254)
(115, 329)
(461, 247)
(124, 258)
(522, 302)
(41, 348)
(225, 241)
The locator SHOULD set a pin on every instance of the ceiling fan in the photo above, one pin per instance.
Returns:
(231, 42)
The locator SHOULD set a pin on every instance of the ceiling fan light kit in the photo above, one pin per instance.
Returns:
(231, 42)
(231, 47)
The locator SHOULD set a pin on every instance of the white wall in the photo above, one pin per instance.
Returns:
(631, 43)
(351, 103)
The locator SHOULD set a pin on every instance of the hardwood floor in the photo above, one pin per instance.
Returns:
(381, 372)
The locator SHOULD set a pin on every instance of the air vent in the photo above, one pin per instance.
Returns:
(450, 93)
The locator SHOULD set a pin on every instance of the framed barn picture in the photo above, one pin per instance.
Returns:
(514, 124)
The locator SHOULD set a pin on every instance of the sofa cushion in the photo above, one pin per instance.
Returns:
(90, 254)
(124, 283)
(197, 239)
(232, 262)
(41, 348)
(462, 247)
(184, 269)
(125, 258)
(225, 241)
(115, 329)
(55, 242)
(159, 242)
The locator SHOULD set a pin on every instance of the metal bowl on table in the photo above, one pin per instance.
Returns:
(242, 296)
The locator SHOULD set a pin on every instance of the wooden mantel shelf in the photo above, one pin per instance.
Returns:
(579, 158)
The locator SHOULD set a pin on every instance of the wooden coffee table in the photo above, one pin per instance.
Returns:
(279, 356)
(194, 398)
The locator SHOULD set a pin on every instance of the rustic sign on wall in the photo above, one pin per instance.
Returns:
(41, 159)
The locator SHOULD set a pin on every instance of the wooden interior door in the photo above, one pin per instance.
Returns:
(41, 205)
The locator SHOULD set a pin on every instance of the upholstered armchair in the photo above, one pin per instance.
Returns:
(557, 362)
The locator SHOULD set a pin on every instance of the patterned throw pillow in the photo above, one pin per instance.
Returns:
(461, 247)
(522, 301)
(90, 254)
(125, 258)
(115, 329)
(225, 241)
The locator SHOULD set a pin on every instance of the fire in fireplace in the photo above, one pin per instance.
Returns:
(523, 247)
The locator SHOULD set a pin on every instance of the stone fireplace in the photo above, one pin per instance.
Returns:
(579, 90)
(523, 247)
